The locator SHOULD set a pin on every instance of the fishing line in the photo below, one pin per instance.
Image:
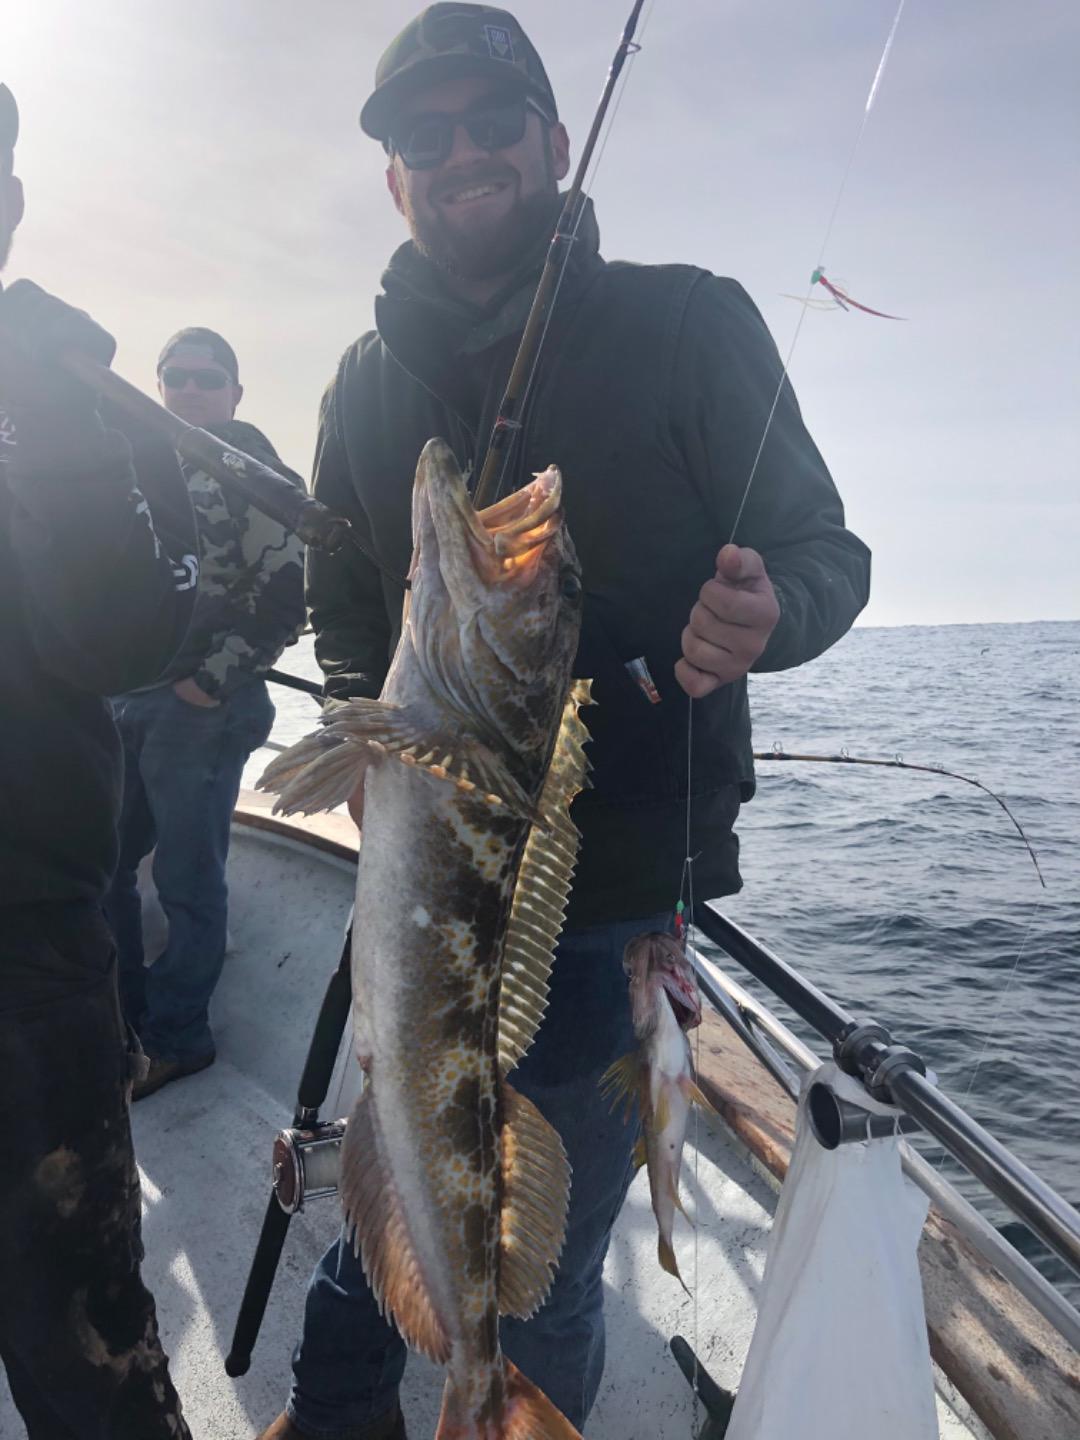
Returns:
(688, 862)
(874, 86)
(688, 872)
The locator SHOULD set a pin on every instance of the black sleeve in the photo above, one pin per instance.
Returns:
(344, 590)
(726, 379)
(108, 561)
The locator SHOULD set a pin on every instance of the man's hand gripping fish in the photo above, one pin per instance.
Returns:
(659, 1075)
(455, 1185)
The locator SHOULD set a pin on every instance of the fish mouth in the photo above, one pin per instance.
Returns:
(682, 996)
(506, 540)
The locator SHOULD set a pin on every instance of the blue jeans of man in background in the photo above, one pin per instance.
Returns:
(182, 769)
(349, 1362)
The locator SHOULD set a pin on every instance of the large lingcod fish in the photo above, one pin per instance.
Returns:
(455, 1185)
(659, 1074)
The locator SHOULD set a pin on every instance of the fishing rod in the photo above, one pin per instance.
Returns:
(898, 763)
(302, 1157)
(259, 484)
(508, 422)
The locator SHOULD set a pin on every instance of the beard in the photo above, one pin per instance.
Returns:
(493, 250)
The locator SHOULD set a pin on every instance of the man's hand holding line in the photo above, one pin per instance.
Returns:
(729, 627)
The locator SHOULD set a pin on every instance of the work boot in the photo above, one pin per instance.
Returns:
(163, 1072)
(386, 1427)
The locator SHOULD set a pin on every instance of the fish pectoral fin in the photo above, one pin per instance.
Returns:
(381, 1237)
(405, 733)
(536, 1192)
(318, 773)
(665, 1253)
(620, 1083)
(696, 1096)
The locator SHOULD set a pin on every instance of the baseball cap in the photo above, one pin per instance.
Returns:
(198, 335)
(446, 42)
(9, 121)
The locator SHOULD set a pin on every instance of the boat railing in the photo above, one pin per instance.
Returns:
(890, 1072)
(895, 1074)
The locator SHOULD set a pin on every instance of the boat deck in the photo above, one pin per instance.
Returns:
(203, 1147)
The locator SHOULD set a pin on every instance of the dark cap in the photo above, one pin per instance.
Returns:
(198, 335)
(9, 120)
(446, 42)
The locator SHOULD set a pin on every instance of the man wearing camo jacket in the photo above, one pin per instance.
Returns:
(186, 740)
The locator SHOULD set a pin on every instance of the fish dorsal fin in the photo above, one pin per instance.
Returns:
(542, 890)
(381, 1237)
(322, 770)
(536, 1192)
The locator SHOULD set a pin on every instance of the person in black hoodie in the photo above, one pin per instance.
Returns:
(653, 395)
(98, 574)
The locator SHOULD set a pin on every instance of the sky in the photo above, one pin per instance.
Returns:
(201, 163)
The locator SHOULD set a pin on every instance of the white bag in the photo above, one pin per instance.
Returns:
(840, 1350)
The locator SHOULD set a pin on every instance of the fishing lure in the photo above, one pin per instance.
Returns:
(844, 300)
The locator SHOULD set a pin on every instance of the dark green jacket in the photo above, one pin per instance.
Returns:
(652, 398)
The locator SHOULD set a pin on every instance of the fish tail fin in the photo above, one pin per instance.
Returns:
(665, 1253)
(515, 1409)
(528, 1414)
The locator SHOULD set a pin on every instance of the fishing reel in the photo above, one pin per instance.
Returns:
(306, 1163)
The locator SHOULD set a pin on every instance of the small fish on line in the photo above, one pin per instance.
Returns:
(659, 1074)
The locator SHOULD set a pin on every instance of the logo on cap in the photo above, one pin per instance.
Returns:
(500, 45)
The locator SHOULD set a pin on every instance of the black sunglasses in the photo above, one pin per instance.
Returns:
(424, 142)
(175, 377)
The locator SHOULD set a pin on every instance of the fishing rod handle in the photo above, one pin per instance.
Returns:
(326, 1038)
(275, 1227)
(260, 486)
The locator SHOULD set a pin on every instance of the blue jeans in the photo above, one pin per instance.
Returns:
(182, 770)
(349, 1362)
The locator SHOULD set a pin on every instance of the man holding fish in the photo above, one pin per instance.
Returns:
(651, 398)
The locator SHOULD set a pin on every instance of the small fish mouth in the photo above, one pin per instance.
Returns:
(685, 1005)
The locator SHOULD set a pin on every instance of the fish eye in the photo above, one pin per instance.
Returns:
(570, 585)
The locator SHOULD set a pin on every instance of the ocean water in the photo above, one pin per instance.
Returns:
(910, 898)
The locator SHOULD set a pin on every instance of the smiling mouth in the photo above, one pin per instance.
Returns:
(466, 194)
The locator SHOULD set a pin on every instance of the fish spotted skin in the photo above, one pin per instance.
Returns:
(659, 1075)
(455, 1186)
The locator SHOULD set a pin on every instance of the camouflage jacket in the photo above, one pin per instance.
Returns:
(250, 603)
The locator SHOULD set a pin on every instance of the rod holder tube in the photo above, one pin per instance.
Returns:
(836, 1121)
